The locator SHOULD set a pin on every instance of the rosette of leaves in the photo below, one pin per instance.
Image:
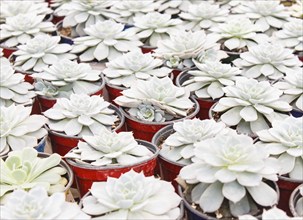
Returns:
(80, 115)
(106, 40)
(68, 77)
(20, 28)
(13, 88)
(109, 148)
(40, 52)
(230, 171)
(295, 10)
(26, 170)
(210, 78)
(251, 105)
(284, 142)
(268, 60)
(126, 69)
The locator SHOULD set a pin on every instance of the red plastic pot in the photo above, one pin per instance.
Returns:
(7, 52)
(146, 130)
(148, 49)
(294, 197)
(113, 92)
(286, 186)
(85, 175)
(36, 107)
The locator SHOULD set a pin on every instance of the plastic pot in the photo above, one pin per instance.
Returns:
(145, 130)
(294, 198)
(41, 145)
(148, 49)
(7, 51)
(86, 174)
(113, 92)
(297, 113)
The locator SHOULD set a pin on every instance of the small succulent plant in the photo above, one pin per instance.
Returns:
(40, 52)
(132, 196)
(149, 113)
(105, 40)
(126, 69)
(80, 115)
(36, 204)
(109, 148)
(19, 129)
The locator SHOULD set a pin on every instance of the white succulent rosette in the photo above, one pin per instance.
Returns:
(169, 7)
(154, 26)
(80, 14)
(160, 93)
(183, 46)
(268, 60)
(267, 14)
(59, 6)
(179, 146)
(285, 142)
(127, 69)
(231, 170)
(105, 40)
(209, 79)
(237, 33)
(295, 10)
(19, 129)
(109, 148)
(213, 54)
(13, 88)
(25, 170)
(128, 9)
(292, 87)
(36, 204)
(203, 16)
(132, 196)
(21, 28)
(251, 105)
(69, 77)
(291, 35)
(40, 52)
(80, 115)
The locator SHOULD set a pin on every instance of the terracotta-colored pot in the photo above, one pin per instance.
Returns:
(145, 130)
(294, 197)
(148, 49)
(113, 92)
(87, 174)
(62, 143)
(286, 186)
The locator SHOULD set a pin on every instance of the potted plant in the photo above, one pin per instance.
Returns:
(109, 154)
(292, 88)
(228, 177)
(133, 196)
(283, 141)
(27, 169)
(81, 114)
(36, 204)
(273, 213)
(296, 201)
(65, 78)
(125, 70)
(19, 29)
(153, 27)
(19, 129)
(105, 40)
(206, 83)
(150, 105)
(250, 106)
(177, 143)
(203, 16)
(269, 61)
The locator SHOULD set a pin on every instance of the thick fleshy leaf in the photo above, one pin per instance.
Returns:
(249, 113)
(232, 116)
(263, 194)
(212, 198)
(233, 191)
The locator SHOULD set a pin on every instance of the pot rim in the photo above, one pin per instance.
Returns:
(294, 199)
(285, 178)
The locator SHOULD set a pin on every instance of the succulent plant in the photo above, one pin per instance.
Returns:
(105, 40)
(70, 77)
(19, 129)
(60, 7)
(251, 105)
(268, 60)
(13, 87)
(126, 69)
(25, 170)
(284, 141)
(80, 115)
(20, 28)
(36, 204)
(296, 9)
(154, 26)
(170, 7)
(231, 168)
(203, 16)
(210, 78)
(149, 113)
(132, 196)
(109, 148)
(161, 93)
(40, 52)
